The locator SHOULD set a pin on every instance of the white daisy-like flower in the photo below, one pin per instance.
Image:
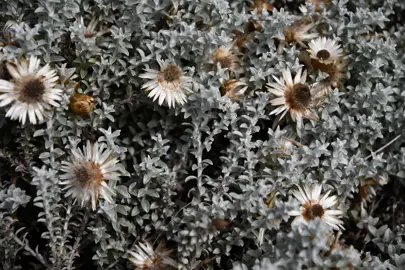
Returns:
(87, 173)
(313, 205)
(324, 50)
(168, 84)
(31, 92)
(144, 257)
(293, 96)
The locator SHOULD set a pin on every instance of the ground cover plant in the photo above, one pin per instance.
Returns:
(202, 134)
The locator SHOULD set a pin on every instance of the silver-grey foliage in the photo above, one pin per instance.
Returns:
(213, 159)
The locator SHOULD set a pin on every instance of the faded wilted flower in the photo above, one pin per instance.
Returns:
(233, 89)
(226, 58)
(297, 32)
(240, 39)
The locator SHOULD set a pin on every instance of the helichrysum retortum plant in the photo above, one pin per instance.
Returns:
(202, 134)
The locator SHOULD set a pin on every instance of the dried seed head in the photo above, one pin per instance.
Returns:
(9, 34)
(337, 72)
(89, 34)
(225, 62)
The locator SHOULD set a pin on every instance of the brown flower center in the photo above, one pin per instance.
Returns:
(313, 211)
(30, 89)
(88, 173)
(299, 97)
(171, 73)
(302, 94)
(323, 54)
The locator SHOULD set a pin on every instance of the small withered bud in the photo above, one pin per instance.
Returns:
(220, 224)
(81, 104)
